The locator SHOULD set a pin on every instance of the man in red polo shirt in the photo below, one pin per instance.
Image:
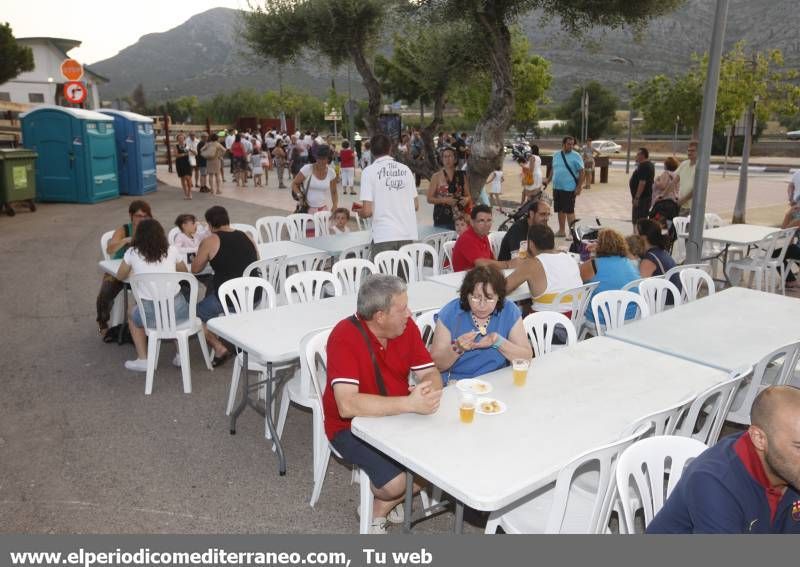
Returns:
(473, 243)
(383, 334)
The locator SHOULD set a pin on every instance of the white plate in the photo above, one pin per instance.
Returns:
(481, 401)
(474, 386)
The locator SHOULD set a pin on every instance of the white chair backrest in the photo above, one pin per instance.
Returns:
(447, 254)
(104, 240)
(681, 225)
(604, 461)
(613, 305)
(241, 294)
(395, 263)
(692, 281)
(322, 224)
(161, 290)
(350, 271)
(782, 241)
(438, 238)
(313, 365)
(173, 234)
(272, 270)
(363, 224)
(633, 285)
(656, 292)
(299, 224)
(775, 369)
(661, 422)
(706, 415)
(426, 323)
(248, 229)
(712, 220)
(308, 262)
(304, 287)
(495, 239)
(418, 252)
(360, 251)
(678, 269)
(541, 326)
(271, 229)
(641, 473)
(576, 300)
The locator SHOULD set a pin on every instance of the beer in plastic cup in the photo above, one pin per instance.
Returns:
(466, 409)
(523, 249)
(520, 369)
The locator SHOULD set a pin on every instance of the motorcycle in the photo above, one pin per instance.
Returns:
(520, 150)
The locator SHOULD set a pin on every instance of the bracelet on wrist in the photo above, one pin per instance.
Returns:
(499, 341)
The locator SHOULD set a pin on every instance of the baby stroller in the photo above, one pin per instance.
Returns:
(582, 235)
(663, 212)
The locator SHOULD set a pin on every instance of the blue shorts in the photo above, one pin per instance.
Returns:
(181, 312)
(379, 468)
(209, 308)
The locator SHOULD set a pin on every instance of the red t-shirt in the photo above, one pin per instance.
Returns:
(349, 363)
(470, 247)
(347, 158)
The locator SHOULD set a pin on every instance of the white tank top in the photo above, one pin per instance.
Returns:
(562, 273)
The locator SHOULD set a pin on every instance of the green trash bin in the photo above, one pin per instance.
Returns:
(17, 179)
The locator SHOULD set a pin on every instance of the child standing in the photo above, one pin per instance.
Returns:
(258, 169)
(496, 189)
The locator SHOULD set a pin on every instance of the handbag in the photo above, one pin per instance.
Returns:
(302, 202)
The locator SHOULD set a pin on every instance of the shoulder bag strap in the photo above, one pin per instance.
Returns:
(564, 159)
(378, 376)
(653, 257)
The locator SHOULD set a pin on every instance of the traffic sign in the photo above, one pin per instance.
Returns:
(75, 92)
(71, 69)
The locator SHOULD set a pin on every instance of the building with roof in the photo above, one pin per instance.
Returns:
(44, 85)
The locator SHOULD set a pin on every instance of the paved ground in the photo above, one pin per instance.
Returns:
(82, 450)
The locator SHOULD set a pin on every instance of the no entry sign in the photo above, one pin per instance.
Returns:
(75, 92)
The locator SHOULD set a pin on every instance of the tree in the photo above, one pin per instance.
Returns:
(340, 30)
(14, 58)
(602, 105)
(137, 100)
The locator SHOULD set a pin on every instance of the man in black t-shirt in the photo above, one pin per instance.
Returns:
(641, 186)
(518, 233)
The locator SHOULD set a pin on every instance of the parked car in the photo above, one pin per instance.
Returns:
(795, 135)
(606, 146)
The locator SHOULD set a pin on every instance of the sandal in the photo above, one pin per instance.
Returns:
(220, 360)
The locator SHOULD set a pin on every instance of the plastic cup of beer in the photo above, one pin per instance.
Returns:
(520, 367)
(523, 249)
(466, 409)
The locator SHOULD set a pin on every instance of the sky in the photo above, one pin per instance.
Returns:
(104, 27)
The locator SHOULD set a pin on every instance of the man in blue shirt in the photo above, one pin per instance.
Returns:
(746, 483)
(567, 175)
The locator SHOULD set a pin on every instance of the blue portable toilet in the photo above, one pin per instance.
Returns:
(77, 154)
(136, 151)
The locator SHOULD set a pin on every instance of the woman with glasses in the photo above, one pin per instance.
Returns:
(480, 331)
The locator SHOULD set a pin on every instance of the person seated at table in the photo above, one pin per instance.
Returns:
(110, 287)
(341, 217)
(479, 331)
(191, 233)
(610, 267)
(636, 249)
(150, 253)
(656, 261)
(538, 213)
(474, 242)
(370, 355)
(229, 251)
(790, 220)
(461, 222)
(548, 271)
(746, 483)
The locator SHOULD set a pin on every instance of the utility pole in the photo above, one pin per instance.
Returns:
(741, 193)
(626, 61)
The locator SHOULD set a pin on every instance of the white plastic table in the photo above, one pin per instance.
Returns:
(731, 329)
(575, 399)
(288, 248)
(273, 336)
(335, 244)
(454, 279)
(736, 235)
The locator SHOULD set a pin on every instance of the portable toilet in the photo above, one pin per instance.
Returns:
(136, 151)
(77, 160)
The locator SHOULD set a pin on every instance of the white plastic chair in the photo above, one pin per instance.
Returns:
(613, 305)
(272, 270)
(576, 302)
(775, 369)
(395, 263)
(104, 240)
(117, 315)
(641, 473)
(692, 281)
(308, 262)
(350, 272)
(495, 239)
(360, 251)
(241, 294)
(173, 234)
(304, 287)
(299, 225)
(418, 252)
(706, 416)
(681, 225)
(322, 225)
(563, 508)
(248, 229)
(633, 285)
(679, 268)
(436, 240)
(426, 323)
(363, 223)
(161, 290)
(541, 326)
(447, 256)
(271, 229)
(656, 292)
(767, 272)
(661, 422)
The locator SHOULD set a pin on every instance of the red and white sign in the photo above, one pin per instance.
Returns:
(75, 92)
(71, 69)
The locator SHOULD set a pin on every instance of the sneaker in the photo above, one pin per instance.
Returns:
(395, 516)
(378, 527)
(138, 365)
(176, 360)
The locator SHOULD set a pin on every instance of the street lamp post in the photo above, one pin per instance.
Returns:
(626, 61)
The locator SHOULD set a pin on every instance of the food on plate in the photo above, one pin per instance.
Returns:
(491, 406)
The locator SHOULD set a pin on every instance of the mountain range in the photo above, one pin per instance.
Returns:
(206, 56)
